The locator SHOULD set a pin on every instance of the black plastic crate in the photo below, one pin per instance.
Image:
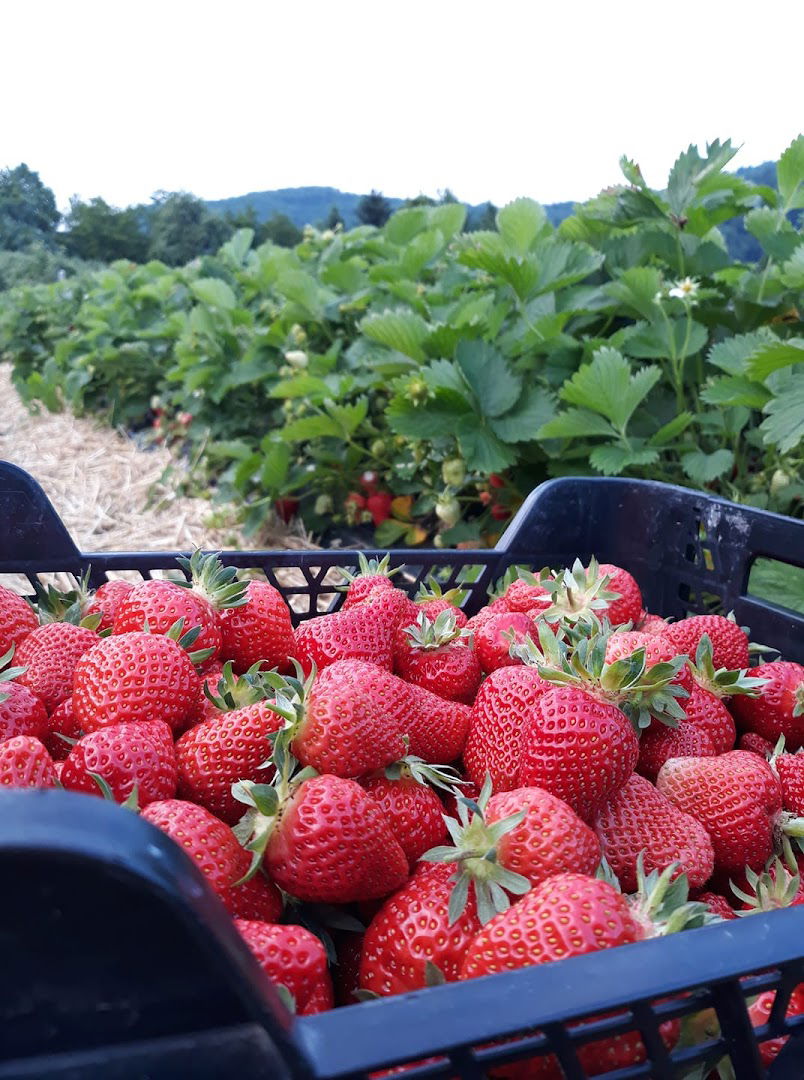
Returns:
(119, 962)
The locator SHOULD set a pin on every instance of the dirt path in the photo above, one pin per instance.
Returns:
(111, 495)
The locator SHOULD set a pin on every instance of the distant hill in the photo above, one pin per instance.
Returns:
(311, 205)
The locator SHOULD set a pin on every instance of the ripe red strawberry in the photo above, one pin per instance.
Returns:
(218, 752)
(524, 594)
(106, 601)
(755, 744)
(25, 763)
(209, 842)
(437, 728)
(759, 1012)
(50, 654)
(651, 624)
(779, 709)
(414, 810)
(504, 705)
(738, 799)
(624, 643)
(158, 605)
(293, 958)
(322, 839)
(62, 721)
(259, 630)
(257, 898)
(578, 748)
(21, 712)
(493, 639)
(628, 605)
(361, 633)
(717, 904)
(125, 756)
(413, 928)
(639, 820)
(436, 656)
(164, 687)
(790, 770)
(729, 641)
(17, 619)
(432, 600)
(570, 915)
(706, 731)
(551, 839)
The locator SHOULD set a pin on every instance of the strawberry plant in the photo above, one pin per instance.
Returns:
(455, 369)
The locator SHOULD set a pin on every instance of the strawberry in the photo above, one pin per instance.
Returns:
(286, 509)
(208, 841)
(106, 601)
(755, 744)
(372, 574)
(778, 886)
(528, 832)
(62, 721)
(258, 630)
(779, 709)
(437, 728)
(436, 656)
(257, 898)
(24, 763)
(126, 757)
(414, 810)
(729, 641)
(738, 799)
(17, 619)
(578, 595)
(50, 654)
(717, 904)
(706, 731)
(165, 686)
(158, 605)
(494, 638)
(21, 712)
(293, 958)
(627, 607)
(378, 505)
(639, 820)
(502, 709)
(216, 753)
(413, 934)
(759, 1012)
(790, 770)
(363, 632)
(322, 838)
(571, 915)
(624, 643)
(524, 593)
(577, 747)
(651, 624)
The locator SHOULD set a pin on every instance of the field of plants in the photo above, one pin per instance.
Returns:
(419, 380)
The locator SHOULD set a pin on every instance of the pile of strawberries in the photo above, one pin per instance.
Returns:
(393, 795)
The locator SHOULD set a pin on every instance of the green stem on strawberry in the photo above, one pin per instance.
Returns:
(8, 673)
(475, 853)
(211, 579)
(721, 681)
(661, 902)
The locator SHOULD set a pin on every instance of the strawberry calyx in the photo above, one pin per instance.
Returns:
(662, 905)
(185, 639)
(265, 802)
(430, 589)
(776, 887)
(474, 852)
(131, 802)
(428, 633)
(798, 698)
(576, 593)
(8, 673)
(644, 693)
(721, 682)
(69, 606)
(238, 691)
(368, 568)
(218, 584)
(415, 768)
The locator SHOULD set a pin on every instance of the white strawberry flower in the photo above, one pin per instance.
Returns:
(296, 358)
(684, 289)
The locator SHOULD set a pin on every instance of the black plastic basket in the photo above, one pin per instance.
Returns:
(119, 962)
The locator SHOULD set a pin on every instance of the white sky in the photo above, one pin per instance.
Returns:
(493, 99)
